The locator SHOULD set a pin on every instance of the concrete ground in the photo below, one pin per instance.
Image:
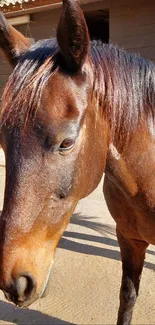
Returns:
(86, 276)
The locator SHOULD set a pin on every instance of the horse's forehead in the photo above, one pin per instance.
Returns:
(64, 87)
(62, 100)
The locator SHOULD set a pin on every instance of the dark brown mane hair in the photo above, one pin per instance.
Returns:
(23, 91)
(124, 84)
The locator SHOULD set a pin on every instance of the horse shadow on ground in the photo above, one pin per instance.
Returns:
(10, 313)
(108, 238)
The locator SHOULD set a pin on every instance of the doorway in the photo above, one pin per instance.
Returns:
(98, 24)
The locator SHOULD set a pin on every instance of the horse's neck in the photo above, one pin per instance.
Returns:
(133, 169)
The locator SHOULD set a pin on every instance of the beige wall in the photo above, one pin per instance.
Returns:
(132, 26)
(43, 24)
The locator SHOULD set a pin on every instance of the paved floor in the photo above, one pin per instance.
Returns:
(85, 281)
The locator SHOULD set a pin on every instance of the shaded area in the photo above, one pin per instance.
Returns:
(98, 24)
(88, 249)
(105, 230)
(150, 252)
(88, 222)
(96, 239)
(10, 313)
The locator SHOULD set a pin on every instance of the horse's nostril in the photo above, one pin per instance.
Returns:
(25, 286)
(21, 285)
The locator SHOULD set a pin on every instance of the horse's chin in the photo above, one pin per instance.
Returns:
(27, 303)
(21, 304)
(45, 290)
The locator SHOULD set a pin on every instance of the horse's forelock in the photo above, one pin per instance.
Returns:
(23, 91)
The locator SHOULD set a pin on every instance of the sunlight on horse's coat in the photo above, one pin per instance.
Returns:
(73, 109)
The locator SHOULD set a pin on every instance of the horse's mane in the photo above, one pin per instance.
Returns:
(124, 84)
(23, 91)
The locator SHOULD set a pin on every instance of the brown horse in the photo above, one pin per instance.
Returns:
(71, 110)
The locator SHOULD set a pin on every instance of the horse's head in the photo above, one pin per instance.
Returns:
(53, 148)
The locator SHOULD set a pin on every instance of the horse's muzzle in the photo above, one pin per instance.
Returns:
(22, 290)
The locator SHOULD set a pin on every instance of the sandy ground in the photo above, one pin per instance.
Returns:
(86, 276)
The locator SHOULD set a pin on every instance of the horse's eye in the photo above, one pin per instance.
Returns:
(66, 145)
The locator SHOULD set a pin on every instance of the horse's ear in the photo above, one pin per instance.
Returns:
(12, 42)
(72, 35)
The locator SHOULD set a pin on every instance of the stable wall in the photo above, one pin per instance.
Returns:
(132, 26)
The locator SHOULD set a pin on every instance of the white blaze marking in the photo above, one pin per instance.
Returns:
(151, 126)
(114, 152)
